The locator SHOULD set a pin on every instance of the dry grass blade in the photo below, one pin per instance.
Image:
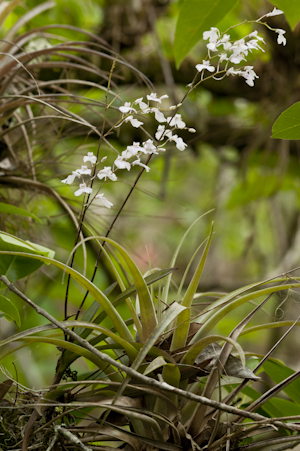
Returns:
(8, 8)
(27, 17)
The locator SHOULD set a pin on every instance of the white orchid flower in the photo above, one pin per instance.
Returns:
(106, 203)
(83, 189)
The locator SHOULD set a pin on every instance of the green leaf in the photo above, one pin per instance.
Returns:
(229, 302)
(268, 326)
(89, 286)
(158, 362)
(171, 375)
(171, 313)
(287, 126)
(284, 407)
(111, 371)
(12, 210)
(128, 301)
(267, 408)
(291, 9)
(275, 407)
(148, 314)
(154, 277)
(195, 17)
(9, 310)
(16, 267)
(174, 258)
(278, 372)
(174, 310)
(91, 312)
(190, 292)
(191, 355)
(182, 322)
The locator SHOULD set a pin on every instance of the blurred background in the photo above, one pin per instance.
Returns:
(249, 183)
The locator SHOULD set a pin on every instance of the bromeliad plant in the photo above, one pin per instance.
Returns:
(162, 386)
(161, 378)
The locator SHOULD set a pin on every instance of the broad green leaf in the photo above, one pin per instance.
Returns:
(291, 9)
(181, 329)
(275, 407)
(15, 267)
(287, 126)
(171, 375)
(195, 17)
(251, 393)
(9, 310)
(270, 409)
(12, 210)
(278, 372)
(284, 407)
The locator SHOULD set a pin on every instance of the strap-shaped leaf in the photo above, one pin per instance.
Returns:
(158, 362)
(107, 369)
(154, 277)
(98, 295)
(13, 210)
(91, 312)
(174, 258)
(16, 267)
(182, 322)
(228, 305)
(171, 313)
(268, 326)
(148, 314)
(117, 277)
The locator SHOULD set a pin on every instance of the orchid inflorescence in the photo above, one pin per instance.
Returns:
(232, 53)
(235, 52)
(135, 151)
